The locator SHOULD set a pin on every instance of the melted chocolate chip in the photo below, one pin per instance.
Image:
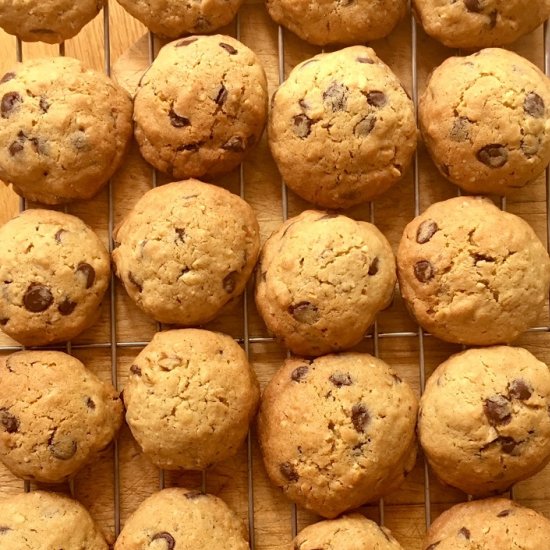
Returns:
(88, 272)
(464, 532)
(365, 126)
(221, 95)
(66, 307)
(178, 121)
(301, 125)
(90, 403)
(460, 130)
(7, 77)
(289, 471)
(534, 105)
(133, 280)
(493, 156)
(426, 230)
(474, 6)
(194, 495)
(185, 42)
(374, 266)
(299, 373)
(230, 282)
(37, 298)
(170, 542)
(504, 513)
(424, 271)
(9, 103)
(497, 410)
(304, 312)
(335, 97)
(377, 98)
(360, 417)
(340, 379)
(228, 48)
(134, 369)
(44, 105)
(8, 421)
(520, 389)
(62, 449)
(235, 144)
(364, 59)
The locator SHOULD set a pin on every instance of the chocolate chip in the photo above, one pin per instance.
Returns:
(180, 232)
(377, 98)
(289, 471)
(44, 105)
(66, 307)
(58, 234)
(328, 217)
(221, 95)
(482, 258)
(193, 495)
(461, 129)
(90, 403)
(530, 146)
(497, 410)
(504, 513)
(335, 97)
(424, 271)
(365, 126)
(398, 379)
(4, 529)
(299, 373)
(494, 155)
(493, 18)
(134, 369)
(186, 42)
(426, 230)
(235, 144)
(360, 417)
(178, 121)
(304, 312)
(364, 59)
(445, 170)
(9, 103)
(301, 125)
(4, 322)
(340, 379)
(507, 444)
(62, 449)
(8, 421)
(373, 268)
(88, 272)
(191, 146)
(434, 545)
(520, 389)
(7, 77)
(473, 5)
(464, 532)
(534, 105)
(228, 48)
(230, 282)
(170, 542)
(15, 147)
(37, 298)
(134, 281)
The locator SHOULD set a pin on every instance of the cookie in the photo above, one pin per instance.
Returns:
(64, 129)
(334, 21)
(53, 275)
(471, 273)
(322, 279)
(352, 532)
(491, 524)
(485, 120)
(483, 421)
(184, 520)
(51, 21)
(55, 415)
(342, 129)
(201, 106)
(326, 425)
(40, 520)
(170, 18)
(480, 23)
(186, 250)
(190, 397)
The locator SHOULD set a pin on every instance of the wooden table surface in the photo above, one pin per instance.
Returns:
(404, 511)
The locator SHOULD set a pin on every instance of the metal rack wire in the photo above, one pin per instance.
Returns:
(247, 340)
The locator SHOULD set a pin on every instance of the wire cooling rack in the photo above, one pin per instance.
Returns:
(114, 345)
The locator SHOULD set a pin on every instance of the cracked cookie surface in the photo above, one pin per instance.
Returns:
(55, 415)
(480, 23)
(49, 21)
(185, 250)
(321, 280)
(484, 419)
(341, 128)
(184, 520)
(39, 520)
(201, 106)
(64, 129)
(190, 397)
(53, 275)
(485, 119)
(489, 524)
(326, 425)
(471, 273)
(338, 21)
(351, 532)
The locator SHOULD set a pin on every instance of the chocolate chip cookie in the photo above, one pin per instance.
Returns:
(171, 18)
(337, 21)
(342, 129)
(485, 119)
(49, 21)
(321, 280)
(352, 532)
(326, 427)
(472, 274)
(53, 275)
(183, 520)
(55, 415)
(186, 250)
(40, 520)
(490, 524)
(64, 129)
(483, 421)
(201, 106)
(480, 23)
(190, 397)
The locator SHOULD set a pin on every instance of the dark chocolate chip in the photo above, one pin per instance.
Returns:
(66, 307)
(534, 105)
(497, 410)
(230, 282)
(360, 417)
(88, 272)
(62, 449)
(193, 495)
(377, 98)
(58, 234)
(133, 280)
(228, 48)
(494, 155)
(4, 529)
(304, 312)
(301, 125)
(299, 373)
(7, 77)
(340, 379)
(191, 146)
(185, 42)
(4, 321)
(335, 97)
(9, 103)
(170, 542)
(180, 232)
(37, 298)
(424, 271)
(473, 5)
(426, 230)
(90, 403)
(8, 421)
(434, 545)
(374, 266)
(365, 126)
(44, 105)
(461, 129)
(364, 59)
(504, 513)
(289, 471)
(520, 389)
(15, 147)
(178, 121)
(221, 95)
(235, 144)
(507, 444)
(482, 258)
(464, 532)
(134, 369)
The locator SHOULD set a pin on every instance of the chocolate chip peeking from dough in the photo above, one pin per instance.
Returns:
(37, 298)
(289, 471)
(340, 379)
(364, 59)
(374, 266)
(461, 129)
(504, 513)
(230, 282)
(9, 103)
(66, 307)
(424, 271)
(228, 48)
(194, 495)
(170, 541)
(304, 312)
(134, 281)
(44, 105)
(178, 121)
(426, 230)
(465, 533)
(434, 545)
(235, 144)
(533, 105)
(134, 369)
(497, 410)
(301, 125)
(88, 272)
(63, 449)
(360, 417)
(335, 97)
(520, 389)
(365, 126)
(58, 235)
(377, 98)
(90, 403)
(15, 147)
(221, 95)
(185, 42)
(299, 373)
(4, 529)
(474, 6)
(493, 156)
(7, 77)
(8, 421)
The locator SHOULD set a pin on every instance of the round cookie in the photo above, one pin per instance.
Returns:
(334, 21)
(352, 532)
(190, 398)
(480, 23)
(49, 21)
(490, 524)
(172, 18)
(186, 250)
(185, 520)
(342, 129)
(64, 129)
(483, 421)
(325, 427)
(53, 275)
(321, 280)
(201, 106)
(471, 273)
(485, 119)
(40, 520)
(55, 415)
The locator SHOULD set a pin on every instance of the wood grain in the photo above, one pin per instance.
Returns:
(404, 510)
